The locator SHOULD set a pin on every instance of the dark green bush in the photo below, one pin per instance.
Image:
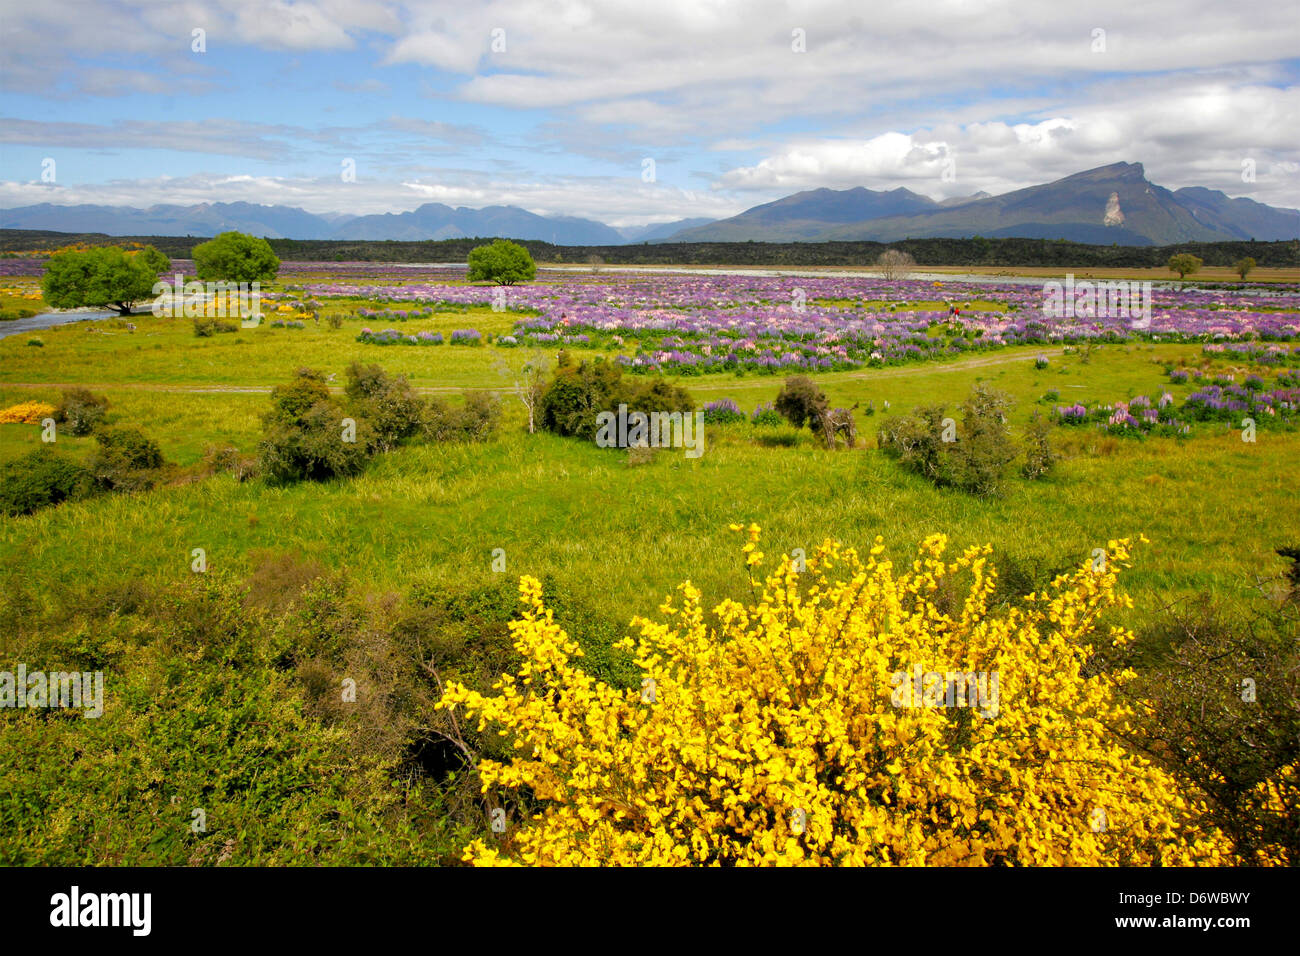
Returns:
(126, 460)
(475, 420)
(390, 406)
(578, 393)
(984, 449)
(39, 479)
(801, 402)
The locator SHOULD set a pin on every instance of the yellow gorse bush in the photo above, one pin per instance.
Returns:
(772, 735)
(26, 413)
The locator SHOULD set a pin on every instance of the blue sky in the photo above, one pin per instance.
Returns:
(735, 103)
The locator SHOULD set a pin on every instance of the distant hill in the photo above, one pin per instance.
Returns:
(661, 230)
(430, 221)
(808, 215)
(1110, 204)
(438, 221)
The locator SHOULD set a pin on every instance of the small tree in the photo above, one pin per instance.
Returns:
(235, 257)
(895, 264)
(801, 402)
(104, 276)
(528, 384)
(1185, 264)
(595, 262)
(1243, 267)
(503, 262)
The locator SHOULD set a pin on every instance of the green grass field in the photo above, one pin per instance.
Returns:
(1213, 506)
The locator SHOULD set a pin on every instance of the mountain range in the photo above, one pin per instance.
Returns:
(1109, 204)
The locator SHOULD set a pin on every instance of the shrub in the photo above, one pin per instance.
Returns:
(235, 257)
(36, 343)
(1235, 740)
(392, 408)
(227, 458)
(26, 413)
(304, 436)
(578, 393)
(984, 449)
(1041, 362)
(39, 479)
(206, 326)
(882, 775)
(125, 460)
(81, 410)
(1039, 457)
(916, 440)
(801, 402)
(475, 420)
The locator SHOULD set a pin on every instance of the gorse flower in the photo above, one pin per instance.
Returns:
(767, 733)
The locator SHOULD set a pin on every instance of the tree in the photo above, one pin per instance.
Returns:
(1184, 263)
(595, 262)
(153, 259)
(103, 276)
(504, 262)
(801, 728)
(1243, 267)
(235, 257)
(528, 383)
(895, 264)
(801, 402)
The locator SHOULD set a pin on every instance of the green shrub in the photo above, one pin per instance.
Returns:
(577, 394)
(502, 262)
(305, 436)
(984, 449)
(125, 460)
(39, 479)
(916, 440)
(1040, 459)
(81, 410)
(390, 406)
(475, 420)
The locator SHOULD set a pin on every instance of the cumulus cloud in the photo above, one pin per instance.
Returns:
(739, 103)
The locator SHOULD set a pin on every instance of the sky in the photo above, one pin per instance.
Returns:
(634, 112)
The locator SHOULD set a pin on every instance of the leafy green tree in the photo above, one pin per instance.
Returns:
(503, 262)
(1243, 267)
(153, 259)
(103, 276)
(235, 257)
(1184, 263)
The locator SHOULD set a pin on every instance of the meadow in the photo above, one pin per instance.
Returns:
(615, 535)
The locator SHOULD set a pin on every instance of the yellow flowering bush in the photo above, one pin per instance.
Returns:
(786, 731)
(26, 413)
